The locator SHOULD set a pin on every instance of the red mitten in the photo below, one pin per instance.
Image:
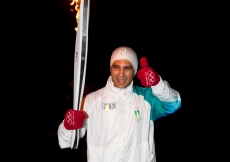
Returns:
(74, 119)
(147, 75)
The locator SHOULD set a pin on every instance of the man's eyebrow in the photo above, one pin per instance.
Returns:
(130, 66)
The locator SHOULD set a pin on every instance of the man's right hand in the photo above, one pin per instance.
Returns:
(74, 119)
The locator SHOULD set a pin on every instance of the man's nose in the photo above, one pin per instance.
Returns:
(121, 72)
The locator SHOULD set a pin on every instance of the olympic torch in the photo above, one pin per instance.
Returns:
(80, 60)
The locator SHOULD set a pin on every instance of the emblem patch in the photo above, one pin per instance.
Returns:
(137, 114)
(109, 106)
(122, 51)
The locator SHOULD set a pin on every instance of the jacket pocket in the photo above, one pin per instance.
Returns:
(143, 153)
(98, 154)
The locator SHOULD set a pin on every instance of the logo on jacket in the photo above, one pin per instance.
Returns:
(109, 106)
(137, 114)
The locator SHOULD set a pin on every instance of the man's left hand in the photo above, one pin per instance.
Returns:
(147, 75)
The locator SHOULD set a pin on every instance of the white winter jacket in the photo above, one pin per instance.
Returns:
(120, 124)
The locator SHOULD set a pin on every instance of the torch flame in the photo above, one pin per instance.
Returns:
(77, 8)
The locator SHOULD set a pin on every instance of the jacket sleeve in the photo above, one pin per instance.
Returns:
(64, 136)
(168, 100)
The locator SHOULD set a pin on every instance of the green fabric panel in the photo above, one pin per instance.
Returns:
(157, 110)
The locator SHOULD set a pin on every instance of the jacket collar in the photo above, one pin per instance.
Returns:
(118, 91)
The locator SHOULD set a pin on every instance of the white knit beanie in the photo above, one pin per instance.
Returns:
(127, 54)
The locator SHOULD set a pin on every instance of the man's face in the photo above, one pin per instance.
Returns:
(122, 73)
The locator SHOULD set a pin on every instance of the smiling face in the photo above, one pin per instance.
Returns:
(122, 73)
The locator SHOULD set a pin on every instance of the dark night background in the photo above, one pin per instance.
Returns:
(187, 42)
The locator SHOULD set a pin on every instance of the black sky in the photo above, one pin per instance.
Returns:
(160, 30)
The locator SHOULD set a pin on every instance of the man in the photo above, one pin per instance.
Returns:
(120, 116)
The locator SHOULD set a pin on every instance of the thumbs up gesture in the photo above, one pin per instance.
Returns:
(146, 74)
